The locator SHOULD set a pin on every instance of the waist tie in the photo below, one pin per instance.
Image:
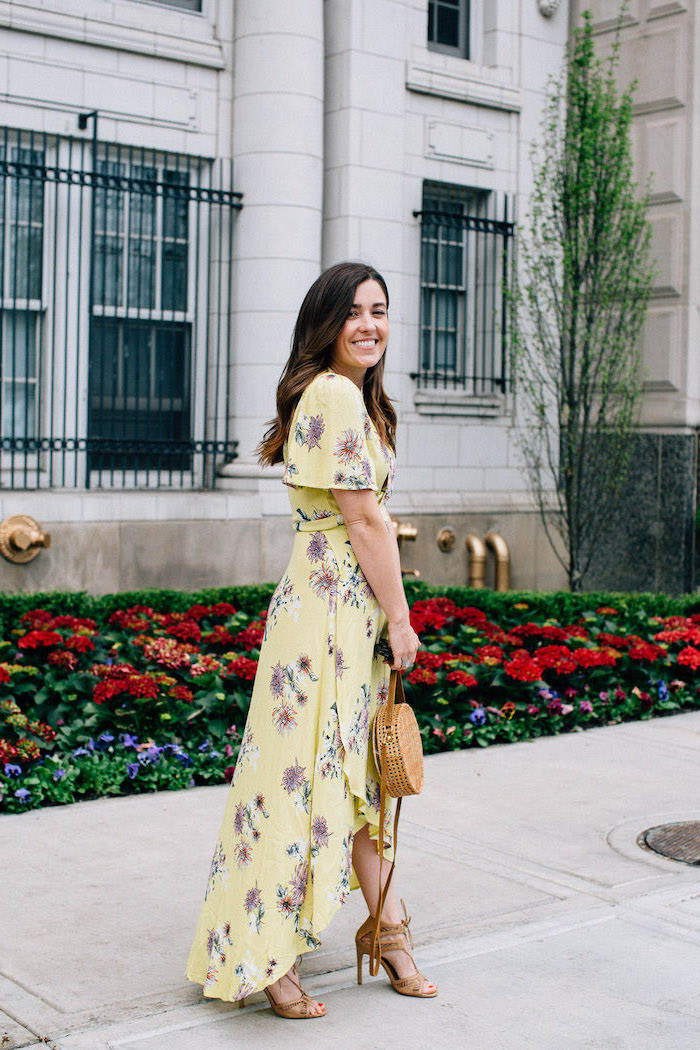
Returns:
(333, 521)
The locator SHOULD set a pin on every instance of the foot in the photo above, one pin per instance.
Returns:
(401, 960)
(286, 990)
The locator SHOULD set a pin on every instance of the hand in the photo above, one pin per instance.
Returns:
(404, 644)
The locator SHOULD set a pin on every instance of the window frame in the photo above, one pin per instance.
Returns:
(473, 371)
(463, 48)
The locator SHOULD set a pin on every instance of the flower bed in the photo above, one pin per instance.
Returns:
(150, 692)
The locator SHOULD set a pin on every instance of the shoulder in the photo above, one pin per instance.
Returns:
(332, 392)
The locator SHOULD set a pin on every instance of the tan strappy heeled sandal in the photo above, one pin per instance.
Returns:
(298, 1009)
(394, 937)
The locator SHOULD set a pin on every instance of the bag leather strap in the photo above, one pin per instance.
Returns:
(376, 938)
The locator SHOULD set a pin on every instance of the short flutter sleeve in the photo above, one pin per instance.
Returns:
(328, 445)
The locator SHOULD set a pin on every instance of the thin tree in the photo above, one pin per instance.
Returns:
(578, 302)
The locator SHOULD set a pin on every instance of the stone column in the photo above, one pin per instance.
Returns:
(278, 166)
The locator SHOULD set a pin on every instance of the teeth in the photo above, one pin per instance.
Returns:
(366, 343)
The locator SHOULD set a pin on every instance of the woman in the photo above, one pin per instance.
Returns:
(303, 812)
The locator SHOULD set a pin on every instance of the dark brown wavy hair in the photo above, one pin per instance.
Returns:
(321, 318)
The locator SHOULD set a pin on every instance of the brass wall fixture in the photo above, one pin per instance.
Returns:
(405, 531)
(477, 560)
(446, 539)
(477, 550)
(495, 542)
(21, 539)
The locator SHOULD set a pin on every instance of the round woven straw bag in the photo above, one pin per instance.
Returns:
(397, 743)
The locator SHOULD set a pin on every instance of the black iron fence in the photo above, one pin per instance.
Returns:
(115, 304)
(464, 269)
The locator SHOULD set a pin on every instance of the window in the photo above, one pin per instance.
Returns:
(115, 303)
(21, 254)
(464, 261)
(187, 5)
(448, 27)
(141, 318)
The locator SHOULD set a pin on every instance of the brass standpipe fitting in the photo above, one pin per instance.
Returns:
(21, 539)
(477, 560)
(405, 531)
(495, 542)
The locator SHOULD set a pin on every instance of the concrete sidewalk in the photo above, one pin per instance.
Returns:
(544, 923)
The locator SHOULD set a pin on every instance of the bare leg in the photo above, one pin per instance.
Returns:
(366, 863)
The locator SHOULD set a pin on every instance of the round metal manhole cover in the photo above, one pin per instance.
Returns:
(680, 841)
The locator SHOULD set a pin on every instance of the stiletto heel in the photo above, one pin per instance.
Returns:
(241, 1002)
(394, 937)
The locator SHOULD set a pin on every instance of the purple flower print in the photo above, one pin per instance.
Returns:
(277, 680)
(238, 819)
(320, 832)
(367, 471)
(293, 777)
(298, 883)
(252, 899)
(339, 665)
(313, 434)
(318, 545)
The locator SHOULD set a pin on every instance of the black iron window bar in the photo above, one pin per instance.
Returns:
(115, 304)
(465, 253)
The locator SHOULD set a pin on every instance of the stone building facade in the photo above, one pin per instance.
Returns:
(653, 538)
(176, 174)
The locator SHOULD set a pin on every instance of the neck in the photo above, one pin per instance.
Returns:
(357, 375)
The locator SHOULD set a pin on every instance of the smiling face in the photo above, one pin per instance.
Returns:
(362, 339)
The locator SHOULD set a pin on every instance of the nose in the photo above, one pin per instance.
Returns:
(366, 320)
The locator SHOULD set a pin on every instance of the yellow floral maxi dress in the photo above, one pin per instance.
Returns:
(305, 780)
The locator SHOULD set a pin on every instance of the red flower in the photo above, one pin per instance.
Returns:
(186, 631)
(133, 619)
(243, 667)
(422, 676)
(646, 651)
(181, 692)
(251, 637)
(80, 642)
(433, 661)
(596, 657)
(614, 641)
(123, 678)
(606, 610)
(228, 773)
(534, 630)
(689, 634)
(39, 640)
(523, 667)
(5, 674)
(63, 659)
(489, 654)
(218, 636)
(461, 678)
(36, 618)
(556, 657)
(689, 657)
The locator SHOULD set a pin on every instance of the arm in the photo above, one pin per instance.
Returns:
(377, 552)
